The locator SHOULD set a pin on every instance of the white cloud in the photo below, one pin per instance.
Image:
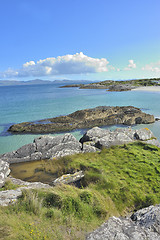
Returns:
(130, 66)
(68, 64)
(152, 67)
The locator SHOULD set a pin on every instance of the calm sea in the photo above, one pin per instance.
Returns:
(34, 102)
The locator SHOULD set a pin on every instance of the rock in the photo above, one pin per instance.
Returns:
(94, 134)
(143, 225)
(88, 86)
(120, 88)
(68, 178)
(143, 134)
(89, 148)
(28, 184)
(93, 86)
(148, 217)
(153, 142)
(115, 138)
(103, 138)
(4, 172)
(71, 85)
(44, 147)
(157, 119)
(87, 118)
(11, 196)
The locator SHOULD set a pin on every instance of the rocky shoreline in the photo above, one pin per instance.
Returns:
(87, 118)
(49, 147)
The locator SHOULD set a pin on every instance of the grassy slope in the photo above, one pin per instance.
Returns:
(117, 180)
(138, 82)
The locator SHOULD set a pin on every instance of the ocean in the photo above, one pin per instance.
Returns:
(35, 102)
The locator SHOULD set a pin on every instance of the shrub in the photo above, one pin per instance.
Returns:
(52, 200)
(50, 213)
(142, 202)
(86, 197)
(71, 205)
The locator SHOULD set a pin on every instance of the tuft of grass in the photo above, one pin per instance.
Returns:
(29, 202)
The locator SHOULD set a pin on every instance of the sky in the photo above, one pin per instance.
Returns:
(79, 39)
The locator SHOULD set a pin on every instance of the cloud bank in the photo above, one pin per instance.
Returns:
(68, 64)
(153, 67)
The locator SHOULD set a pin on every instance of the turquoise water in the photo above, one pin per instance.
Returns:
(29, 103)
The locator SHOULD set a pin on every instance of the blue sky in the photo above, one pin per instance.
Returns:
(79, 39)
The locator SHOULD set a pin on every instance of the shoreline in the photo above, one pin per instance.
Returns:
(148, 89)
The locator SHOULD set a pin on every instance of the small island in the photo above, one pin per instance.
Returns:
(87, 118)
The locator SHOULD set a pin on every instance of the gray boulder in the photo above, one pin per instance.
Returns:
(68, 178)
(105, 138)
(44, 147)
(9, 196)
(143, 225)
(115, 138)
(143, 134)
(148, 217)
(4, 172)
(94, 134)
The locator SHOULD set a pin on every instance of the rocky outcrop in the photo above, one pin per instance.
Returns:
(105, 138)
(68, 178)
(44, 147)
(87, 86)
(93, 86)
(143, 225)
(47, 147)
(4, 172)
(87, 118)
(120, 88)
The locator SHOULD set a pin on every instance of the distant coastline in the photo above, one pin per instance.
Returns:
(39, 82)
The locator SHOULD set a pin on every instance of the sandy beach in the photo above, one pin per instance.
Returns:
(148, 89)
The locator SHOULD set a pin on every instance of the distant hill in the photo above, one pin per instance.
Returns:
(39, 81)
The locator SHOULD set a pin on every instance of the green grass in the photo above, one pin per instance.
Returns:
(137, 82)
(117, 180)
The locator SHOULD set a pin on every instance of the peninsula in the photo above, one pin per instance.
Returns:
(118, 86)
(87, 118)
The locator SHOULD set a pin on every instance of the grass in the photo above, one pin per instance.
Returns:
(9, 185)
(117, 180)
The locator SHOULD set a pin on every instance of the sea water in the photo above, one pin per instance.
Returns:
(35, 102)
